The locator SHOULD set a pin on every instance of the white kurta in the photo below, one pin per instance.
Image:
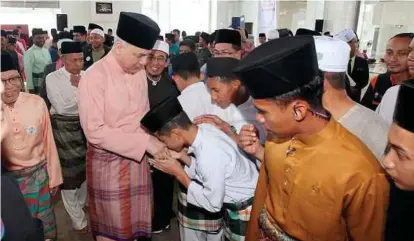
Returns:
(249, 113)
(61, 93)
(63, 97)
(196, 101)
(226, 174)
(368, 127)
(387, 106)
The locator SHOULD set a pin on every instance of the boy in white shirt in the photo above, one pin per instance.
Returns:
(220, 178)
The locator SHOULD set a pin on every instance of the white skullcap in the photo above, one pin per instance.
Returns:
(99, 32)
(346, 35)
(161, 46)
(59, 43)
(273, 34)
(66, 29)
(333, 54)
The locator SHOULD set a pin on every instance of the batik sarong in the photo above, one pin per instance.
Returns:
(71, 147)
(120, 195)
(34, 184)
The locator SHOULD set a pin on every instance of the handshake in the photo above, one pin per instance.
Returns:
(170, 161)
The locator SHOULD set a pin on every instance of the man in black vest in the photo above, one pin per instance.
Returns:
(358, 70)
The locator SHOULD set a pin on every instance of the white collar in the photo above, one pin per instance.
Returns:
(192, 87)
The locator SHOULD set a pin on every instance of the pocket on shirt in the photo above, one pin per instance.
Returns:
(311, 210)
(18, 137)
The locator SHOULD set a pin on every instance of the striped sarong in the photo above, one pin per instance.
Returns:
(34, 184)
(197, 218)
(236, 218)
(120, 195)
(37, 80)
(269, 229)
(71, 147)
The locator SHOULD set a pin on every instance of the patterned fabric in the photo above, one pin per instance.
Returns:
(197, 218)
(120, 195)
(34, 184)
(37, 80)
(269, 229)
(236, 218)
(71, 147)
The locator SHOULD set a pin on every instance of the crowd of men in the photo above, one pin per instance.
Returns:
(274, 142)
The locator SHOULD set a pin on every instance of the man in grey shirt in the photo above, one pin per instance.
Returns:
(333, 58)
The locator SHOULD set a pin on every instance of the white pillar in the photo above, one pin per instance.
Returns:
(339, 15)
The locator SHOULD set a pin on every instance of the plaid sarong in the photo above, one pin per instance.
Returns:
(37, 80)
(120, 195)
(71, 147)
(236, 218)
(34, 184)
(197, 218)
(269, 229)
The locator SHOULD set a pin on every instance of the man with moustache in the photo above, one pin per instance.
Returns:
(16, 220)
(96, 49)
(397, 71)
(112, 99)
(29, 150)
(203, 51)
(399, 164)
(160, 87)
(35, 60)
(61, 87)
(386, 108)
(80, 35)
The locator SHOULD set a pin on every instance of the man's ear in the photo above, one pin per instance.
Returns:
(299, 110)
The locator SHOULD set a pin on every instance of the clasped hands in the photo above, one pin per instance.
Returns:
(169, 161)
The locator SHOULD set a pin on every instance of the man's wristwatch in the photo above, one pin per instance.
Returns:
(231, 131)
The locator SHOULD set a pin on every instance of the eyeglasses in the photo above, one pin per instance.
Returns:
(158, 59)
(13, 80)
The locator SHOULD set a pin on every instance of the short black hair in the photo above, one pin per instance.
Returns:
(186, 74)
(410, 36)
(226, 80)
(176, 30)
(110, 29)
(181, 121)
(337, 80)
(189, 43)
(311, 93)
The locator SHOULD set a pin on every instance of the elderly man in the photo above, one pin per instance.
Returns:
(359, 120)
(52, 67)
(17, 222)
(301, 193)
(113, 97)
(399, 163)
(97, 49)
(61, 87)
(160, 87)
(29, 150)
(35, 60)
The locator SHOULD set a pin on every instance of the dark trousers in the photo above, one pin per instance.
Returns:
(163, 185)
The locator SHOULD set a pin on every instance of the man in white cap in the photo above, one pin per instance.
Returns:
(112, 99)
(61, 87)
(160, 87)
(357, 68)
(96, 50)
(333, 58)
